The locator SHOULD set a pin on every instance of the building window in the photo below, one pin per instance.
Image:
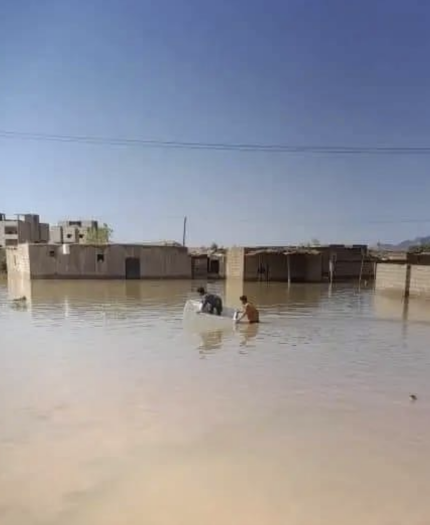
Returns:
(11, 242)
(81, 235)
(51, 253)
(69, 235)
(100, 257)
(11, 230)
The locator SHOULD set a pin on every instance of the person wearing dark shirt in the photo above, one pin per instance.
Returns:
(211, 303)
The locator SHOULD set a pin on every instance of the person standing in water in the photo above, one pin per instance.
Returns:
(249, 310)
(211, 303)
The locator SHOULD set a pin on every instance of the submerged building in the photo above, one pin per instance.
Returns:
(300, 264)
(110, 261)
(207, 263)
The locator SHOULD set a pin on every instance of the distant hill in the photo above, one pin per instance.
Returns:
(405, 245)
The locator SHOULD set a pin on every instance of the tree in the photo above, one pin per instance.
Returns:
(100, 235)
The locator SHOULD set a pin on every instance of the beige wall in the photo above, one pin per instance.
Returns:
(235, 262)
(391, 277)
(48, 261)
(420, 280)
(18, 261)
(222, 267)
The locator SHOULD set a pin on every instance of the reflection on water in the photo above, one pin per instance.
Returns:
(112, 412)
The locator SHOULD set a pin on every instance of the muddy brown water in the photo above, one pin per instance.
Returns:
(112, 412)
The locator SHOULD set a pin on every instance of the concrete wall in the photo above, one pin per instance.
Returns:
(391, 277)
(70, 234)
(56, 235)
(45, 261)
(44, 232)
(222, 267)
(18, 260)
(235, 263)
(420, 280)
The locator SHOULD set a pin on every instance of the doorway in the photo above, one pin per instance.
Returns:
(132, 268)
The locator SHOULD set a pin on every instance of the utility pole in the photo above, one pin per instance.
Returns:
(184, 235)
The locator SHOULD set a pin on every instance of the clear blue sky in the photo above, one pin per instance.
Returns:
(298, 72)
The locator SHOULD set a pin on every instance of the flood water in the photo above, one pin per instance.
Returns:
(112, 412)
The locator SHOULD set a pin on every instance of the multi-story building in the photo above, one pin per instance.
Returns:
(22, 228)
(72, 232)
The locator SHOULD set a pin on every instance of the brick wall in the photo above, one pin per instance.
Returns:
(420, 280)
(391, 277)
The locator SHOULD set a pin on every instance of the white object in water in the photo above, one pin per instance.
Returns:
(193, 311)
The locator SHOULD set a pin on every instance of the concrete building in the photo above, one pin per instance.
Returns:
(72, 232)
(111, 261)
(300, 264)
(22, 228)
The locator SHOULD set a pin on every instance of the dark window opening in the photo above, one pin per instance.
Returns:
(11, 230)
(213, 266)
(11, 242)
(69, 235)
(81, 235)
(100, 257)
(75, 223)
(51, 253)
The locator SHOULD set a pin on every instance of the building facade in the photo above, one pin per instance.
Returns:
(300, 264)
(207, 264)
(72, 232)
(22, 228)
(110, 261)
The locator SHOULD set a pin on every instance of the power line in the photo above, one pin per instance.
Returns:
(215, 146)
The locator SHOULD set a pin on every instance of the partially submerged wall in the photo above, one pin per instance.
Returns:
(235, 263)
(18, 260)
(419, 280)
(79, 261)
(391, 278)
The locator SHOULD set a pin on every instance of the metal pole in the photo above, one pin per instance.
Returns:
(184, 234)
(289, 270)
(361, 270)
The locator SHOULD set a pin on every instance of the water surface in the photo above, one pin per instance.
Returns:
(111, 412)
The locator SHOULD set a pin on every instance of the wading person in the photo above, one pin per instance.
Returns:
(211, 303)
(249, 311)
